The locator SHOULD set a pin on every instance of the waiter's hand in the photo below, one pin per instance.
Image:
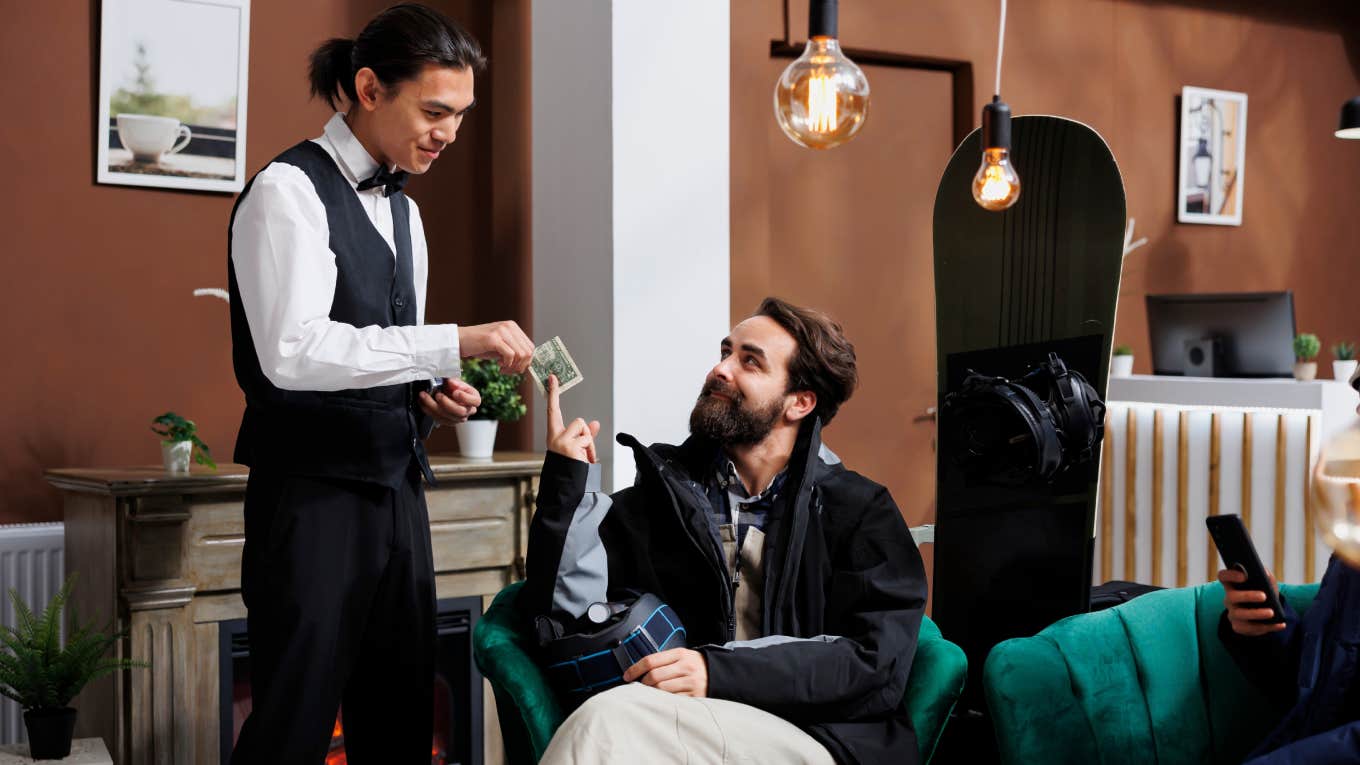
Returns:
(681, 671)
(456, 402)
(576, 440)
(502, 341)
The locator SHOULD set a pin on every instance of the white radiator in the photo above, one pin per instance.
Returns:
(32, 562)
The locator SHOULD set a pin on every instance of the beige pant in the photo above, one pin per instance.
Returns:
(636, 723)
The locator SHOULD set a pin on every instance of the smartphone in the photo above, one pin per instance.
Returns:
(1234, 545)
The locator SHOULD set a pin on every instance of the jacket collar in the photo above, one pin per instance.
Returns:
(694, 457)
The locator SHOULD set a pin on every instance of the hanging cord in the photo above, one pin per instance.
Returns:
(1000, 44)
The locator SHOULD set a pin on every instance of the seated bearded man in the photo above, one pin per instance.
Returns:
(796, 579)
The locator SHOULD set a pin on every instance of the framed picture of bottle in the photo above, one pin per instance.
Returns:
(1213, 146)
(172, 93)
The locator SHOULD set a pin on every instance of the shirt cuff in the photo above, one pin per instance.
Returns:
(449, 363)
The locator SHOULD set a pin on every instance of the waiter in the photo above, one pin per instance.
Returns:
(327, 267)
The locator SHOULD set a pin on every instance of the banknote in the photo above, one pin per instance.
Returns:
(552, 358)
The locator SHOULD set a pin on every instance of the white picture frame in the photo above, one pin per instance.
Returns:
(172, 94)
(1210, 183)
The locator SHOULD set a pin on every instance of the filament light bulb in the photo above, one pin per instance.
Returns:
(996, 185)
(822, 98)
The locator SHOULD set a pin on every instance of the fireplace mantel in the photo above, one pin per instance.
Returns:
(160, 555)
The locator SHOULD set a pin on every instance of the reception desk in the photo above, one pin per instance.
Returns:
(1180, 448)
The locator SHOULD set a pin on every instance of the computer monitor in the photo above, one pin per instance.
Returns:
(1232, 334)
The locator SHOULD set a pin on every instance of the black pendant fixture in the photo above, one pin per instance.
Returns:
(1350, 119)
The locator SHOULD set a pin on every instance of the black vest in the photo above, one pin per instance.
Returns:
(364, 434)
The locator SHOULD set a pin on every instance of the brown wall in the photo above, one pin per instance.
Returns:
(850, 230)
(101, 332)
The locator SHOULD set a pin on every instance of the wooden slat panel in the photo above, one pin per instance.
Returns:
(1157, 457)
(1215, 476)
(1182, 497)
(1246, 469)
(1131, 496)
(1280, 445)
(1309, 536)
(1107, 501)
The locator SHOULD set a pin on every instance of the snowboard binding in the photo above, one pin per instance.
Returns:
(1014, 432)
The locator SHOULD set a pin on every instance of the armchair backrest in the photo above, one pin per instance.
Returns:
(1145, 681)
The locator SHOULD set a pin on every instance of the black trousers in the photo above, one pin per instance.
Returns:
(338, 582)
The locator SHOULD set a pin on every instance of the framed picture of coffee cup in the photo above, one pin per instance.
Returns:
(172, 93)
(1213, 150)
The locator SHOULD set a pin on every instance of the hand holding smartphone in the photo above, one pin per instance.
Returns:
(1253, 603)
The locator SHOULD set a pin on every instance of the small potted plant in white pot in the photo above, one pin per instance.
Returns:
(1306, 348)
(1121, 364)
(1343, 361)
(44, 675)
(180, 440)
(501, 402)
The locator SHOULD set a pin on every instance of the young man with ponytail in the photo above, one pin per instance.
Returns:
(327, 267)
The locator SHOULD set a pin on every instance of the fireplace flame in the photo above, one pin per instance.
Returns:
(336, 755)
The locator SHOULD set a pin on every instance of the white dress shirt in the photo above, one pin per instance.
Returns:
(286, 275)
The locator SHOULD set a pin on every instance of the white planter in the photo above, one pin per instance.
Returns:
(175, 456)
(1121, 366)
(1305, 370)
(476, 438)
(1342, 370)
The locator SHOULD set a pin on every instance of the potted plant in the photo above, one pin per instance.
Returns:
(501, 402)
(1121, 364)
(1343, 361)
(181, 438)
(1306, 347)
(43, 675)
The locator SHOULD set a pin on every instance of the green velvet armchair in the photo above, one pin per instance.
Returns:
(529, 712)
(1145, 681)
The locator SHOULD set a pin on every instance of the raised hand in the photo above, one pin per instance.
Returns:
(576, 440)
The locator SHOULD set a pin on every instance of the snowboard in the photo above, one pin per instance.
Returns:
(1012, 287)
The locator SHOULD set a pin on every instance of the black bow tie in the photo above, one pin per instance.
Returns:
(390, 182)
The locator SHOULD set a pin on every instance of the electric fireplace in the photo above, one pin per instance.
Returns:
(457, 710)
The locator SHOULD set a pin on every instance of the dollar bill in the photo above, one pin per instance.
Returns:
(552, 358)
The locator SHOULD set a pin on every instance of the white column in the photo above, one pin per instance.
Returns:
(630, 208)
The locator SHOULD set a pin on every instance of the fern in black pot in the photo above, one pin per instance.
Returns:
(43, 674)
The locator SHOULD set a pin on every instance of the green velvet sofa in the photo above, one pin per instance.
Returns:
(1145, 681)
(529, 712)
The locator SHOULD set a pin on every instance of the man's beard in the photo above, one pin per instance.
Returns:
(730, 422)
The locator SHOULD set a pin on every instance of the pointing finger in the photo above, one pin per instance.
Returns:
(555, 425)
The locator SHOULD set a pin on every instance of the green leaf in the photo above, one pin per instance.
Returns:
(501, 399)
(38, 670)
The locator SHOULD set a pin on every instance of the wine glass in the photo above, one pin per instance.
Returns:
(1336, 495)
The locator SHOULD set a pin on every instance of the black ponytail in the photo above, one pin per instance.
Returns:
(332, 70)
(396, 44)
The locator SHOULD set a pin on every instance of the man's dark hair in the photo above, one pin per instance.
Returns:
(824, 362)
(396, 45)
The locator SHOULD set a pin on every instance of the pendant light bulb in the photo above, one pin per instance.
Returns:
(822, 98)
(996, 185)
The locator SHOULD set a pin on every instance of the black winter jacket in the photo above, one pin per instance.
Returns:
(843, 581)
(1311, 670)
